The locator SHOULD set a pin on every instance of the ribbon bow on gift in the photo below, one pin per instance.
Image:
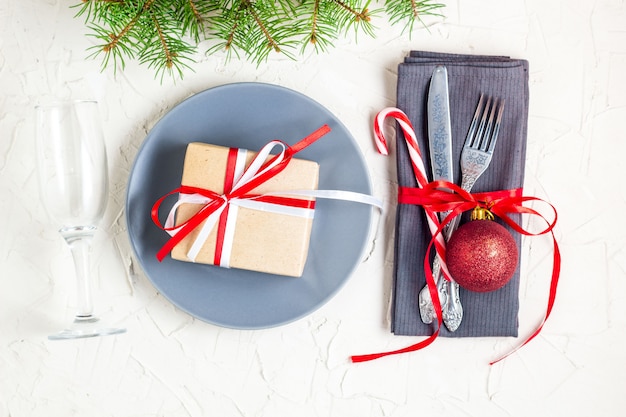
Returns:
(237, 190)
(238, 187)
(443, 196)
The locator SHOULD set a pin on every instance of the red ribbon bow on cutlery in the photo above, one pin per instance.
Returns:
(442, 196)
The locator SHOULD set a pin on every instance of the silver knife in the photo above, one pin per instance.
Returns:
(440, 143)
(439, 130)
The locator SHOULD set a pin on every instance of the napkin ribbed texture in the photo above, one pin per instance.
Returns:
(485, 314)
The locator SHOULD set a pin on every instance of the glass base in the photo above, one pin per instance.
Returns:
(83, 327)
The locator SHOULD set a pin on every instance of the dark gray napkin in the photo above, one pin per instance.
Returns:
(485, 314)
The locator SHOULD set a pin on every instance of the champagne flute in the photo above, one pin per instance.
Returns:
(73, 179)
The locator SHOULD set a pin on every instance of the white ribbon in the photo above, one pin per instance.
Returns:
(243, 176)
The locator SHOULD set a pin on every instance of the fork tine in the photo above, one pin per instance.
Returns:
(480, 134)
(471, 134)
(485, 139)
(496, 127)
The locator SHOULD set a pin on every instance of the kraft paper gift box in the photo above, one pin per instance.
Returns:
(262, 241)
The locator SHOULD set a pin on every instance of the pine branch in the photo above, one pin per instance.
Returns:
(192, 15)
(256, 28)
(324, 20)
(411, 12)
(164, 34)
(162, 51)
(321, 32)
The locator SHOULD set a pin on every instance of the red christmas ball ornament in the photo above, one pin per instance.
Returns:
(481, 254)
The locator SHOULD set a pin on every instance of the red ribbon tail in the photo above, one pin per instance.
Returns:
(303, 143)
(432, 287)
(556, 271)
(412, 348)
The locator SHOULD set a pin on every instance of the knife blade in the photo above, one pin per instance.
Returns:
(439, 130)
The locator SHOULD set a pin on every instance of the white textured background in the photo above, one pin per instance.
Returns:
(169, 364)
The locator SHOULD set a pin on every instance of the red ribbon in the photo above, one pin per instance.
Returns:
(229, 180)
(243, 192)
(443, 196)
(456, 200)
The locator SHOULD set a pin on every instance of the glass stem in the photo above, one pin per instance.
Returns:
(80, 247)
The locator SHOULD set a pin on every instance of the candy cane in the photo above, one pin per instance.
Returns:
(418, 166)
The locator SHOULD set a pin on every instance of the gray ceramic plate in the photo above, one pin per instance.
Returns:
(248, 115)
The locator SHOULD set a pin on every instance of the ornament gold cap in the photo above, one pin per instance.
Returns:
(481, 213)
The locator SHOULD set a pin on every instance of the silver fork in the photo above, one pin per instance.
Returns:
(475, 158)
